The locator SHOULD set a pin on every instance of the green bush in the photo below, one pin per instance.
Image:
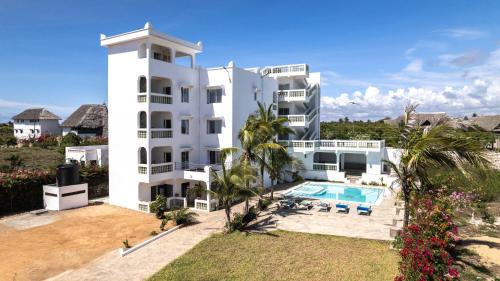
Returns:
(237, 223)
(250, 216)
(8, 140)
(264, 203)
(153, 233)
(159, 206)
(183, 216)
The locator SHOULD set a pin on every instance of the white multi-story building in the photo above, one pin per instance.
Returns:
(168, 118)
(35, 122)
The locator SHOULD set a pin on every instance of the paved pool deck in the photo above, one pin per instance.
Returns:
(376, 226)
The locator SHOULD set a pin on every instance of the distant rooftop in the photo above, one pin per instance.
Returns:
(36, 114)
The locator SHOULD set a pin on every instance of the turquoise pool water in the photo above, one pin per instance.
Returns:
(337, 192)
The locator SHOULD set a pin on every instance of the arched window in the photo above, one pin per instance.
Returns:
(142, 84)
(143, 119)
(141, 52)
(143, 156)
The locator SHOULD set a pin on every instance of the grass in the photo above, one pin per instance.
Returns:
(282, 255)
(33, 157)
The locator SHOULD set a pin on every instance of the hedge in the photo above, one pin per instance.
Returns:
(22, 190)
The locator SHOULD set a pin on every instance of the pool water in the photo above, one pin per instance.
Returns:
(337, 192)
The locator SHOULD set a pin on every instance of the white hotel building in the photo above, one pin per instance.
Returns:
(169, 118)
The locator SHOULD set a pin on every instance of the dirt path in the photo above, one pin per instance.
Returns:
(146, 261)
(69, 240)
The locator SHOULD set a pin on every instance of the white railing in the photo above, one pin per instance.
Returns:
(143, 169)
(160, 98)
(142, 134)
(161, 133)
(334, 144)
(141, 98)
(292, 95)
(324, 167)
(161, 168)
(286, 70)
(203, 204)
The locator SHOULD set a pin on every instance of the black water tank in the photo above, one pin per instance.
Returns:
(67, 174)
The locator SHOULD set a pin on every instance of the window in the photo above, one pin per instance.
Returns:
(255, 96)
(185, 95)
(185, 127)
(284, 111)
(214, 95)
(167, 91)
(142, 84)
(214, 157)
(167, 123)
(283, 87)
(185, 159)
(214, 126)
(167, 157)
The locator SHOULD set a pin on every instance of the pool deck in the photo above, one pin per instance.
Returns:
(376, 226)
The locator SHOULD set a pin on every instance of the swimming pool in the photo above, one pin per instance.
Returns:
(340, 192)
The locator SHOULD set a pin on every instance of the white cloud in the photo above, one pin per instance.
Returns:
(476, 89)
(414, 66)
(463, 33)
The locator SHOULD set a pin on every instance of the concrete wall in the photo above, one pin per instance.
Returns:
(58, 198)
(36, 129)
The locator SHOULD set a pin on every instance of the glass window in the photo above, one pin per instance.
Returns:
(185, 127)
(214, 95)
(214, 157)
(214, 126)
(185, 95)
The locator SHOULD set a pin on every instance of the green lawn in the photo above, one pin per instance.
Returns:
(33, 157)
(282, 255)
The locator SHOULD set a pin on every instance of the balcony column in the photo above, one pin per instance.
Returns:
(193, 61)
(172, 55)
(148, 50)
(207, 169)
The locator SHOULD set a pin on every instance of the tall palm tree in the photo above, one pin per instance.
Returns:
(278, 161)
(229, 183)
(267, 127)
(425, 149)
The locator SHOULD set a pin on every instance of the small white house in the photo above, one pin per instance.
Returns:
(87, 155)
(35, 122)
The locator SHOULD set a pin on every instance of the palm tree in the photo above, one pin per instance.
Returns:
(266, 126)
(278, 161)
(228, 184)
(426, 149)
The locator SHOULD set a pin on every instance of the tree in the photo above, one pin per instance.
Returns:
(15, 162)
(278, 160)
(229, 183)
(262, 129)
(474, 114)
(426, 149)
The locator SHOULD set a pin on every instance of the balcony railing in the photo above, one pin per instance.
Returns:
(143, 169)
(142, 98)
(142, 134)
(292, 95)
(300, 120)
(324, 167)
(161, 133)
(334, 144)
(161, 168)
(160, 98)
(286, 70)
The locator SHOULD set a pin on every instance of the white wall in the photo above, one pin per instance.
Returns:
(41, 127)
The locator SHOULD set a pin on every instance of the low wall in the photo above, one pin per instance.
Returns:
(324, 175)
(65, 197)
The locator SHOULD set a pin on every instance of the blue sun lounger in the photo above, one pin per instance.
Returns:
(363, 210)
(344, 208)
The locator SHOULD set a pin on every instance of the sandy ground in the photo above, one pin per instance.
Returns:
(489, 251)
(66, 240)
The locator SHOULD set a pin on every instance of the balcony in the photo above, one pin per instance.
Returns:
(332, 145)
(161, 168)
(301, 120)
(160, 98)
(302, 95)
(161, 133)
(286, 70)
(324, 167)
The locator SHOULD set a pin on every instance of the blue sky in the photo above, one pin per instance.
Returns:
(444, 55)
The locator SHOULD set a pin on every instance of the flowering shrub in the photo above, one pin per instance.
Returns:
(427, 241)
(98, 140)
